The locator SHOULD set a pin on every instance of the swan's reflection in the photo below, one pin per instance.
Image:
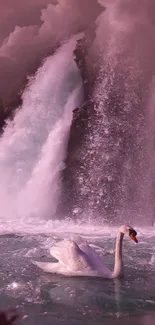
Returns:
(118, 297)
(87, 295)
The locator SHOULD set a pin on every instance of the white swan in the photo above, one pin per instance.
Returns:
(77, 258)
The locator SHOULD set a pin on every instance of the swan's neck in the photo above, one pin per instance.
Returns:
(118, 267)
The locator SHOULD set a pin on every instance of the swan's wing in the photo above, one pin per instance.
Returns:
(56, 268)
(95, 259)
(71, 256)
(48, 267)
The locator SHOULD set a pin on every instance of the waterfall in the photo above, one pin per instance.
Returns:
(33, 145)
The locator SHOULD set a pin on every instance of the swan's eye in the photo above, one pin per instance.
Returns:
(133, 234)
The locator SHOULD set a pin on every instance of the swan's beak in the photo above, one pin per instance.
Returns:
(133, 237)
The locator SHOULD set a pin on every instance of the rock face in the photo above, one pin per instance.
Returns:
(72, 175)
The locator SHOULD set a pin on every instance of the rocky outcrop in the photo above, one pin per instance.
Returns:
(71, 197)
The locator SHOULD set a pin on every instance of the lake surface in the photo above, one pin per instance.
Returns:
(42, 298)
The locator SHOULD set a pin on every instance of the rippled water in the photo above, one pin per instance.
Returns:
(42, 298)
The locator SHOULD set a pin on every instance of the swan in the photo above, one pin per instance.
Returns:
(77, 258)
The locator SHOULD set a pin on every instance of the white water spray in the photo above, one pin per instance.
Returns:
(33, 146)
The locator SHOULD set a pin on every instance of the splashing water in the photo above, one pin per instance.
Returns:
(116, 181)
(33, 146)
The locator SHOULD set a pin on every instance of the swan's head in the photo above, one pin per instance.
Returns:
(125, 229)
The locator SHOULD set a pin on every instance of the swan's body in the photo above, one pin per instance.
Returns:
(77, 258)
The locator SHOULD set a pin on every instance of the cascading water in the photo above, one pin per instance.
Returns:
(121, 98)
(114, 178)
(111, 179)
(33, 146)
